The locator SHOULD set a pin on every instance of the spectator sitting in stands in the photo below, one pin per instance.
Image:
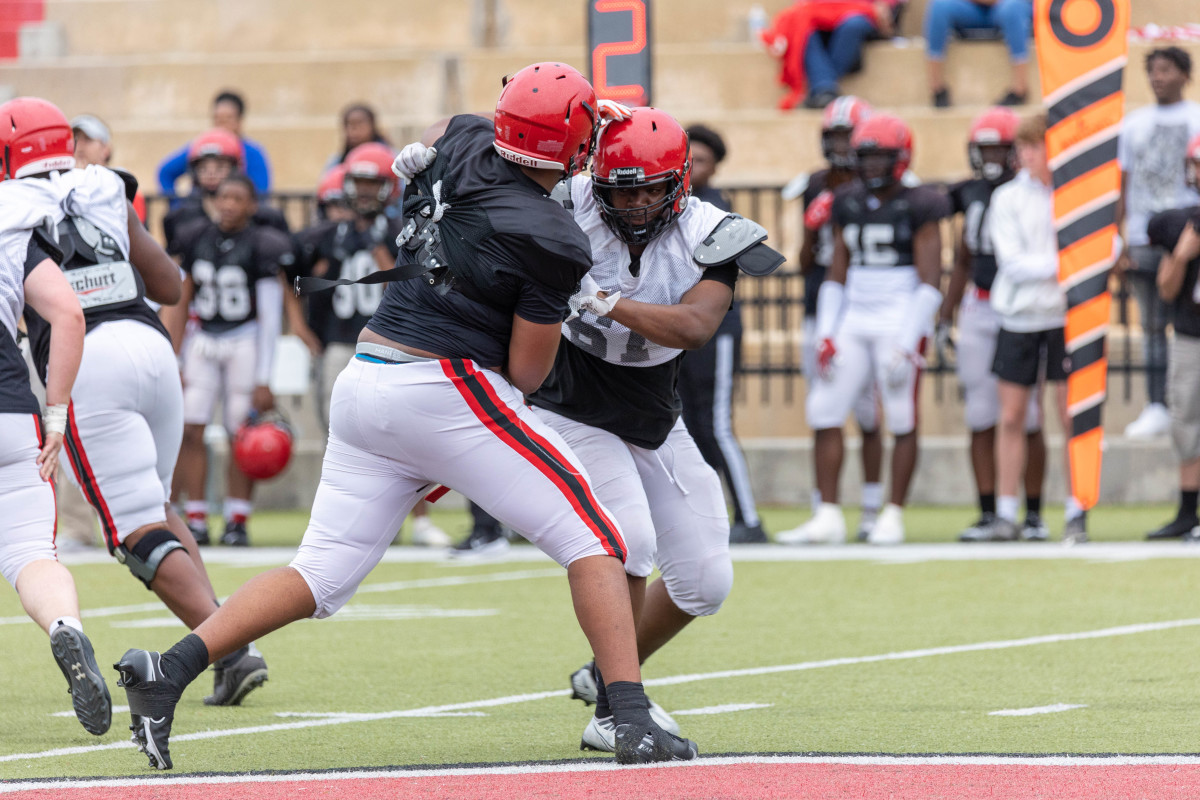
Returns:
(1012, 19)
(228, 109)
(819, 41)
(358, 127)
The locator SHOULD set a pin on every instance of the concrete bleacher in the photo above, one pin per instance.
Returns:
(151, 67)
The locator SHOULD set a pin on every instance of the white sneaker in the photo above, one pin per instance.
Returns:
(426, 534)
(827, 526)
(889, 528)
(601, 734)
(1155, 420)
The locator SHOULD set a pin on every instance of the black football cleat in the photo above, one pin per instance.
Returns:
(232, 682)
(638, 745)
(235, 535)
(741, 533)
(152, 701)
(89, 693)
(1177, 528)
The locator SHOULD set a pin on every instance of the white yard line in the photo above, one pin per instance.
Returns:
(725, 709)
(1029, 712)
(608, 766)
(1005, 644)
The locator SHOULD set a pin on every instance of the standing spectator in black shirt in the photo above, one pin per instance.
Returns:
(706, 374)
(1178, 233)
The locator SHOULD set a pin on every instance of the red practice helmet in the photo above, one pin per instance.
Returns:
(996, 127)
(262, 447)
(35, 137)
(886, 135)
(841, 116)
(330, 189)
(371, 161)
(648, 148)
(1192, 166)
(546, 118)
(217, 142)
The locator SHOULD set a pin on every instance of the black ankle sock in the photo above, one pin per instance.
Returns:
(186, 660)
(987, 503)
(602, 708)
(222, 663)
(1187, 503)
(1033, 505)
(628, 702)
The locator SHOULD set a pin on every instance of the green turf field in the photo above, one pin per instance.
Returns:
(401, 647)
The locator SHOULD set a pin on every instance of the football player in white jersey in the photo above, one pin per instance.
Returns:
(125, 419)
(656, 289)
(30, 443)
(874, 311)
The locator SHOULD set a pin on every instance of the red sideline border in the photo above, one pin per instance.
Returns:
(753, 777)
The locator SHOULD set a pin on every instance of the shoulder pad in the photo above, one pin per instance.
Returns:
(131, 183)
(561, 194)
(795, 187)
(741, 240)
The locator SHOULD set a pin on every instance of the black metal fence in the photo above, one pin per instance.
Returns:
(773, 307)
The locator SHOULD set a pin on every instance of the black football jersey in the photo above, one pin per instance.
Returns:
(972, 199)
(226, 267)
(822, 247)
(526, 246)
(879, 233)
(107, 285)
(346, 252)
(1164, 230)
(183, 216)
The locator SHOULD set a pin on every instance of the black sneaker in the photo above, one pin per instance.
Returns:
(1034, 529)
(236, 676)
(152, 701)
(235, 535)
(1011, 99)
(1075, 531)
(1180, 526)
(482, 542)
(741, 533)
(637, 744)
(199, 533)
(89, 694)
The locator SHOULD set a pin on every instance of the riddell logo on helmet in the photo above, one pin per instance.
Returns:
(521, 159)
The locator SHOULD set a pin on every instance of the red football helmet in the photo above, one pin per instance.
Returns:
(838, 122)
(371, 161)
(995, 129)
(546, 118)
(330, 189)
(882, 148)
(36, 138)
(647, 149)
(1192, 166)
(217, 142)
(262, 446)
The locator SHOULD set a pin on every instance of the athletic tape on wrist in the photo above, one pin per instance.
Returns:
(55, 419)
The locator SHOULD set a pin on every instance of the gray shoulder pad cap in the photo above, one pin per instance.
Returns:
(733, 236)
(561, 194)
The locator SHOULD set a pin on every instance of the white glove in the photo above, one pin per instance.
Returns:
(612, 111)
(413, 159)
(588, 299)
(943, 341)
(901, 366)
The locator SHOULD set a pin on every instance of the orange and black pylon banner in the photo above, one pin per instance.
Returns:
(1081, 49)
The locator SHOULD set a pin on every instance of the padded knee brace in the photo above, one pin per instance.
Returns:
(148, 554)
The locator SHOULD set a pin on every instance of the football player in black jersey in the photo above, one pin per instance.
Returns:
(993, 159)
(874, 311)
(235, 286)
(125, 420)
(434, 396)
(816, 253)
(352, 248)
(30, 442)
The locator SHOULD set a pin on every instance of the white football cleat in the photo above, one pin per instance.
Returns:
(827, 526)
(889, 528)
(601, 734)
(426, 534)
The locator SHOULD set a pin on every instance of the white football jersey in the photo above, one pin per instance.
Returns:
(666, 274)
